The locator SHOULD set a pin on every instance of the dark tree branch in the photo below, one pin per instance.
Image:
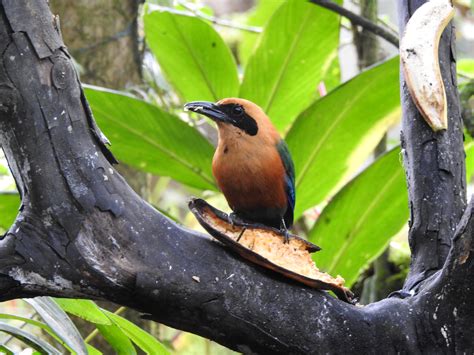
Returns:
(359, 20)
(82, 231)
(434, 165)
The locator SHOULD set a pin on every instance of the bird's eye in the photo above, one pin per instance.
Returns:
(237, 110)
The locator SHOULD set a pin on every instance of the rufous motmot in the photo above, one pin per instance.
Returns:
(252, 164)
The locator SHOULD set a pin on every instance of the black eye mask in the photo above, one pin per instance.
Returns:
(239, 118)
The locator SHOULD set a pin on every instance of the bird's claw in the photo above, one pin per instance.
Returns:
(284, 231)
(286, 236)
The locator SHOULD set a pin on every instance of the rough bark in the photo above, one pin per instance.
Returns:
(102, 36)
(82, 232)
(434, 165)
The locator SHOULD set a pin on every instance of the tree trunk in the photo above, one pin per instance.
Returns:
(82, 232)
(102, 36)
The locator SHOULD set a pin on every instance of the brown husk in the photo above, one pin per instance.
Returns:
(266, 247)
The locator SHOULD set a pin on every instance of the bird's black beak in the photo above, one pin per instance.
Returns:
(208, 109)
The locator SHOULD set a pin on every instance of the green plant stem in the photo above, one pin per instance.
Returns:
(94, 333)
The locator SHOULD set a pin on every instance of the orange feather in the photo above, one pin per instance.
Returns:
(248, 169)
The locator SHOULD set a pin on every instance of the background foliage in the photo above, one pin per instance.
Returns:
(351, 205)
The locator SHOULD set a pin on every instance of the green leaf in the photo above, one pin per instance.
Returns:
(466, 67)
(358, 223)
(9, 204)
(295, 53)
(3, 170)
(30, 339)
(330, 141)
(469, 149)
(142, 339)
(59, 322)
(35, 323)
(192, 55)
(5, 350)
(92, 351)
(258, 16)
(152, 140)
(84, 309)
(117, 339)
(191, 344)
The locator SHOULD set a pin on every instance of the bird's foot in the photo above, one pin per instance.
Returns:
(284, 231)
(286, 235)
(235, 219)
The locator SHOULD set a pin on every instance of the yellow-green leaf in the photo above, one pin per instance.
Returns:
(331, 140)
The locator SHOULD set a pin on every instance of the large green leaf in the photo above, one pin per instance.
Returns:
(89, 311)
(141, 338)
(85, 309)
(38, 324)
(93, 351)
(358, 223)
(192, 55)
(9, 204)
(331, 139)
(32, 340)
(119, 341)
(59, 322)
(5, 350)
(152, 140)
(295, 52)
(466, 67)
(3, 170)
(258, 16)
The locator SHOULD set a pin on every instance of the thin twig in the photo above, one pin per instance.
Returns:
(388, 25)
(214, 20)
(218, 21)
(358, 20)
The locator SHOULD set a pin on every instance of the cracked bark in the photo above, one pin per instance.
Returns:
(434, 165)
(82, 232)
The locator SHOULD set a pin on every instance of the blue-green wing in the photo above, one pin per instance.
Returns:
(289, 181)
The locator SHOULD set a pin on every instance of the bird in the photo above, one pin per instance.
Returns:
(252, 164)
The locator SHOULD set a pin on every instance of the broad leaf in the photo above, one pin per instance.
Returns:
(119, 341)
(358, 223)
(258, 16)
(295, 52)
(192, 55)
(30, 339)
(152, 140)
(466, 67)
(330, 141)
(35, 323)
(142, 339)
(58, 320)
(5, 350)
(9, 204)
(93, 351)
(3, 170)
(84, 309)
